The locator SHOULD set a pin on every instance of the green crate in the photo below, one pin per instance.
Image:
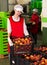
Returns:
(4, 22)
(3, 42)
(3, 16)
(3, 34)
(3, 50)
(8, 14)
(1, 23)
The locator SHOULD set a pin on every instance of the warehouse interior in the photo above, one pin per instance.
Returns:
(40, 49)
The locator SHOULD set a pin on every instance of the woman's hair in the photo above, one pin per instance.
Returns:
(12, 13)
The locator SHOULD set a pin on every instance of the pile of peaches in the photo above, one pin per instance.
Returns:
(22, 41)
(43, 61)
(33, 57)
(36, 59)
(22, 44)
(43, 49)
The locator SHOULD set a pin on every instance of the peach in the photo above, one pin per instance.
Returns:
(27, 57)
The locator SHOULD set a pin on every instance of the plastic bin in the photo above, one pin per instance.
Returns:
(22, 45)
(3, 42)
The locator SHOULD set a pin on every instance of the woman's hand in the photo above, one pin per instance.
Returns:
(33, 23)
(9, 40)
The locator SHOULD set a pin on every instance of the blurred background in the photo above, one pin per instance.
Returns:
(6, 6)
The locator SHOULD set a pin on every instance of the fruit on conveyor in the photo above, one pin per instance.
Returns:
(41, 49)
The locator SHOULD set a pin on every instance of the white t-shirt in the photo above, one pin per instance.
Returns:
(9, 28)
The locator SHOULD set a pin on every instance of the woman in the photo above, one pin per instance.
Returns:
(34, 28)
(16, 28)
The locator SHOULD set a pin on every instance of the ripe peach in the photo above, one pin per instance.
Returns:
(25, 42)
(28, 42)
(35, 63)
(27, 57)
(26, 39)
(45, 60)
(31, 57)
(22, 39)
(46, 48)
(46, 64)
(21, 43)
(16, 42)
(43, 63)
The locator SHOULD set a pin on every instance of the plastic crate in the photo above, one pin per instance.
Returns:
(4, 22)
(22, 45)
(21, 49)
(3, 42)
(1, 22)
(8, 14)
(2, 14)
(3, 17)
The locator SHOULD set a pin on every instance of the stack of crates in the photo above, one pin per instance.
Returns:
(3, 34)
(3, 42)
(3, 20)
(1, 23)
(8, 14)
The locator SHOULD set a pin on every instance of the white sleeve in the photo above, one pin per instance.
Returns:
(8, 26)
(25, 29)
(10, 42)
(9, 31)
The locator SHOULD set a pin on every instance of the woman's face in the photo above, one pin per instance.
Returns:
(34, 12)
(18, 13)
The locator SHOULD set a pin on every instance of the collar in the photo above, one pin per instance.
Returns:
(16, 19)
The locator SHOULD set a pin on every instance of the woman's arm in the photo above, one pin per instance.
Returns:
(9, 32)
(26, 33)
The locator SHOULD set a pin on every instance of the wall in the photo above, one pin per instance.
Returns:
(23, 1)
(3, 5)
(44, 21)
(11, 4)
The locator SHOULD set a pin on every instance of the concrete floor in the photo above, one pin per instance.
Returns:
(6, 61)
